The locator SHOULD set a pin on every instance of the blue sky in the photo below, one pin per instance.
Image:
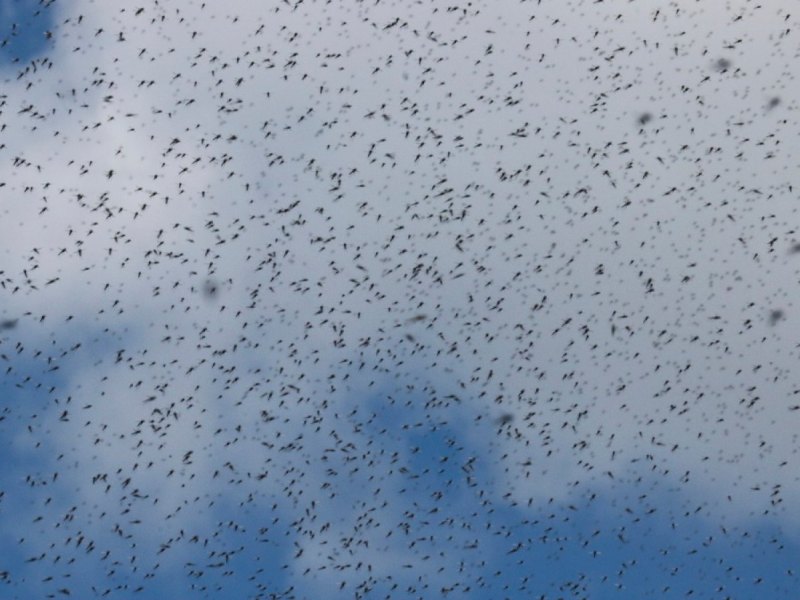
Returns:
(25, 27)
(478, 331)
(581, 547)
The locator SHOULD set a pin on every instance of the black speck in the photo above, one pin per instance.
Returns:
(722, 65)
(505, 419)
(210, 289)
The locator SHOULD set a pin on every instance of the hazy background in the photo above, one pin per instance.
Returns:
(492, 299)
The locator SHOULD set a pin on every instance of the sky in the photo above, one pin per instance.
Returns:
(398, 299)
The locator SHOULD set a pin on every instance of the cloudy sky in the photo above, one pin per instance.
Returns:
(399, 299)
